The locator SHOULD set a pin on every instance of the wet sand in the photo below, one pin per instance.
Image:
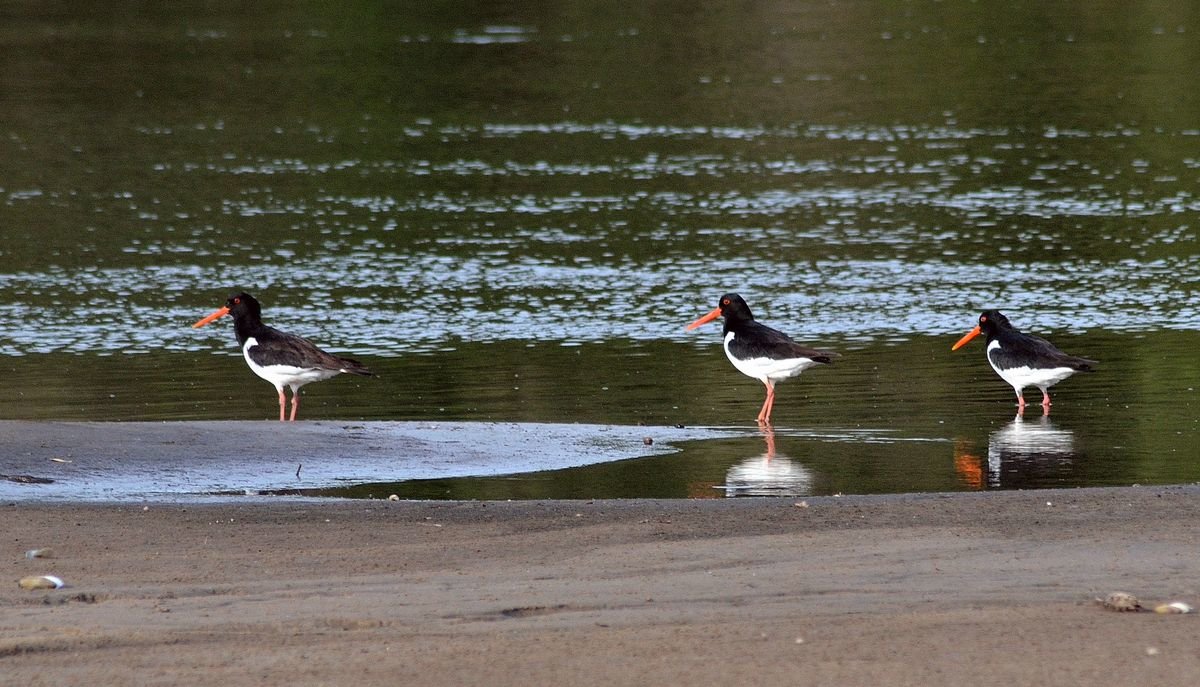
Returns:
(978, 589)
(169, 461)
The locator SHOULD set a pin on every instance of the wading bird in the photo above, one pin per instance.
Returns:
(757, 351)
(280, 358)
(1022, 359)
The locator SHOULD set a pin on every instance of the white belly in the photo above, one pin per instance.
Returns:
(284, 375)
(763, 369)
(1021, 377)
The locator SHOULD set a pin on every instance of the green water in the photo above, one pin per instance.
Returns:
(511, 210)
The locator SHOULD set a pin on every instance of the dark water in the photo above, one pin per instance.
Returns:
(510, 212)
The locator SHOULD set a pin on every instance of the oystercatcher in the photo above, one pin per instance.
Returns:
(760, 352)
(1021, 359)
(280, 358)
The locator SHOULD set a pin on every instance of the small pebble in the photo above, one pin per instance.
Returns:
(647, 441)
(39, 553)
(393, 497)
(40, 582)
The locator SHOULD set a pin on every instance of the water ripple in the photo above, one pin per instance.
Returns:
(369, 302)
(572, 232)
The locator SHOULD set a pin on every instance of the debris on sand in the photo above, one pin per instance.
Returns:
(27, 479)
(34, 582)
(1124, 601)
(1173, 607)
(1120, 601)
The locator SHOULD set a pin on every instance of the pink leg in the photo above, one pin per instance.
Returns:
(1045, 398)
(764, 415)
(295, 403)
(282, 404)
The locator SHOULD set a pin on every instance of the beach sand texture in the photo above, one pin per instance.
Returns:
(981, 589)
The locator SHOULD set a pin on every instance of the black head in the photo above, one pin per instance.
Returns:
(992, 321)
(731, 307)
(246, 312)
(243, 304)
(734, 306)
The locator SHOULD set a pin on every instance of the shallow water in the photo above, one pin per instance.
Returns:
(510, 213)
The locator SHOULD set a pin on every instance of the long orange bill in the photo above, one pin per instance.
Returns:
(963, 341)
(218, 314)
(707, 318)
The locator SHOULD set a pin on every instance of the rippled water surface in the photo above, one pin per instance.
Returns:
(510, 212)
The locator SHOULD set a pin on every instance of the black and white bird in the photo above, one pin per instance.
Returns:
(280, 358)
(757, 351)
(1021, 359)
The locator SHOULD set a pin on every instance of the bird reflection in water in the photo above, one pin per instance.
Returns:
(769, 474)
(1022, 453)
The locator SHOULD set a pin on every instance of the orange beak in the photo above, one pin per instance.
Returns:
(707, 318)
(963, 341)
(218, 314)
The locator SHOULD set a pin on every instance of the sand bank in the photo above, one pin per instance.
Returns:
(979, 589)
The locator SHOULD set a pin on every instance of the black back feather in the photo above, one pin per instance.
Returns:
(752, 339)
(1025, 350)
(280, 348)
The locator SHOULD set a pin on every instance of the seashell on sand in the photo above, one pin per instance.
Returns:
(40, 582)
(1174, 607)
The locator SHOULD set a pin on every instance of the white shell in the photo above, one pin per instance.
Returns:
(1173, 607)
(40, 582)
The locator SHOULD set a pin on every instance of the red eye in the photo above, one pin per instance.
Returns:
(983, 319)
(236, 301)
(725, 302)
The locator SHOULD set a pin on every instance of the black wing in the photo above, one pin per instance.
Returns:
(754, 340)
(1026, 350)
(280, 348)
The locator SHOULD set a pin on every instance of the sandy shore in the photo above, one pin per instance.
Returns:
(915, 590)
